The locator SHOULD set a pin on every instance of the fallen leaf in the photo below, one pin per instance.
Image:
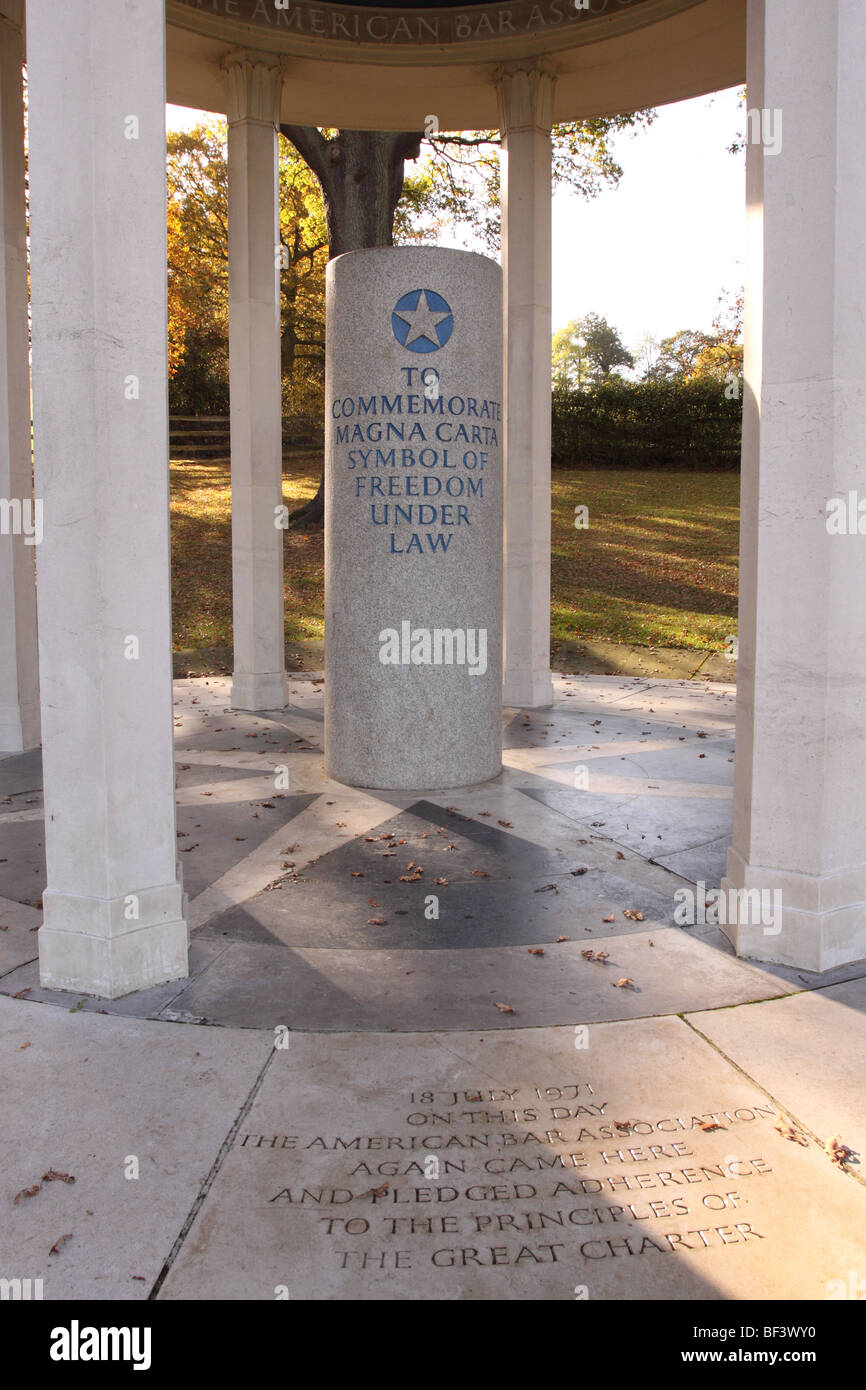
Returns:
(623, 983)
(376, 922)
(711, 1124)
(788, 1131)
(22, 1047)
(356, 873)
(372, 902)
(576, 873)
(563, 938)
(26, 1192)
(505, 1008)
(480, 873)
(442, 881)
(536, 950)
(601, 955)
(611, 918)
(506, 823)
(839, 1152)
(22, 992)
(55, 1249)
(377, 1191)
(633, 914)
(53, 1176)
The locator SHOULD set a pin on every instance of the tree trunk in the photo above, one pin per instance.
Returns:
(361, 176)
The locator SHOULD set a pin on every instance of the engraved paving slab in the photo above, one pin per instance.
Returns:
(626, 1160)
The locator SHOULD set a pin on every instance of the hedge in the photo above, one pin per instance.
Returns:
(647, 424)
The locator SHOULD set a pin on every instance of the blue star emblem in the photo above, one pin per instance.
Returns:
(422, 321)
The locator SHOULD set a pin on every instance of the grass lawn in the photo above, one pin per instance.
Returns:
(656, 567)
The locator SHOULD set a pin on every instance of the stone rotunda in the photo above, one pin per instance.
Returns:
(99, 75)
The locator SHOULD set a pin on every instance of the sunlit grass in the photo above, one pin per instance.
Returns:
(201, 544)
(657, 565)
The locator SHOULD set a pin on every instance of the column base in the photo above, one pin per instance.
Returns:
(19, 728)
(95, 946)
(260, 690)
(110, 967)
(818, 921)
(527, 689)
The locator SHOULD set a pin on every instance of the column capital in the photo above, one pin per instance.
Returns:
(253, 86)
(525, 91)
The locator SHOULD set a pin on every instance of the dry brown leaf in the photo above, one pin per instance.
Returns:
(839, 1152)
(505, 1008)
(623, 983)
(611, 918)
(600, 955)
(536, 950)
(480, 873)
(506, 823)
(563, 938)
(26, 1192)
(633, 914)
(377, 1191)
(53, 1176)
(55, 1249)
(711, 1124)
(787, 1131)
(22, 1047)
(376, 922)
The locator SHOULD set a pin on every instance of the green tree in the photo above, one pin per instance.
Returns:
(587, 352)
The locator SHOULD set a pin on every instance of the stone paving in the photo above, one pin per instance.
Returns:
(421, 960)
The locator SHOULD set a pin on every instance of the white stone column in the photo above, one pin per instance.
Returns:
(800, 786)
(19, 668)
(253, 85)
(113, 905)
(526, 116)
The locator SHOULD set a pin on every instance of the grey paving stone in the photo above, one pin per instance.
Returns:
(83, 1095)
